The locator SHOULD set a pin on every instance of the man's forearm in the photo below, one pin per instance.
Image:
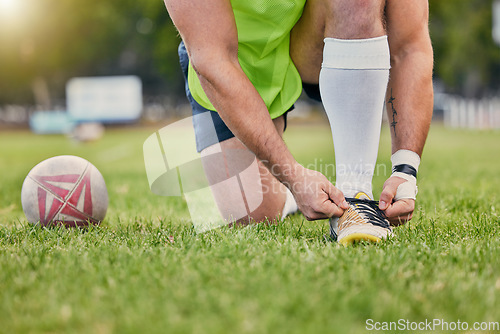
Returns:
(209, 32)
(245, 113)
(410, 94)
(410, 100)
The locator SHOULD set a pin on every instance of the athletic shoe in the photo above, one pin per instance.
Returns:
(363, 220)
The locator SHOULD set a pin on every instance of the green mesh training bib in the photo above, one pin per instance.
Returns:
(264, 52)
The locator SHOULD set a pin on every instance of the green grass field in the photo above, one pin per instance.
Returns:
(145, 270)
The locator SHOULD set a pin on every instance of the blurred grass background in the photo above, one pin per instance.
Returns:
(145, 269)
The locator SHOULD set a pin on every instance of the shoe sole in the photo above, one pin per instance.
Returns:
(358, 233)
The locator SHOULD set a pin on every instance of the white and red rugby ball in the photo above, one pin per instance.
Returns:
(65, 190)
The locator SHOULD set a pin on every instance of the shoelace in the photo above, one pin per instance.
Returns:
(370, 210)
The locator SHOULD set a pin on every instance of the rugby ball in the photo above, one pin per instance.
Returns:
(65, 190)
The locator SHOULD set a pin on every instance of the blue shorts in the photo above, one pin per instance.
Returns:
(209, 128)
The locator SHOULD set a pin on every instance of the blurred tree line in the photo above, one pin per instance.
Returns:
(43, 43)
(466, 60)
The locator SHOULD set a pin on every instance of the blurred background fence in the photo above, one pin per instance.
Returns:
(482, 114)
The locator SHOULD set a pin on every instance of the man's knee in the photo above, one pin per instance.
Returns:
(243, 188)
(354, 19)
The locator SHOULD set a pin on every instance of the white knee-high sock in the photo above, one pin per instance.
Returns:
(353, 83)
(290, 206)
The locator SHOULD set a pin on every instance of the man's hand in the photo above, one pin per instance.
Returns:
(397, 212)
(316, 197)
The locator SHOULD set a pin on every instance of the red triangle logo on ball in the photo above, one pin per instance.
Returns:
(68, 198)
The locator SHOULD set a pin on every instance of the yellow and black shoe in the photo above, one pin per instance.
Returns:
(362, 221)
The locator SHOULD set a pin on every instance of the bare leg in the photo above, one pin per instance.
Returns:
(409, 97)
(342, 19)
(249, 190)
(306, 40)
(410, 93)
(352, 77)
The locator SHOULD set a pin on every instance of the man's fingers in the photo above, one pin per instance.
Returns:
(317, 197)
(327, 208)
(400, 212)
(326, 211)
(335, 203)
(332, 209)
(389, 192)
(337, 197)
(399, 208)
(387, 195)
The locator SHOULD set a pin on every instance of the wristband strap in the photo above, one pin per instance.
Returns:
(405, 165)
(405, 168)
(405, 157)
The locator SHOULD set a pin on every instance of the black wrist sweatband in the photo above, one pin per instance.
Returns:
(404, 168)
